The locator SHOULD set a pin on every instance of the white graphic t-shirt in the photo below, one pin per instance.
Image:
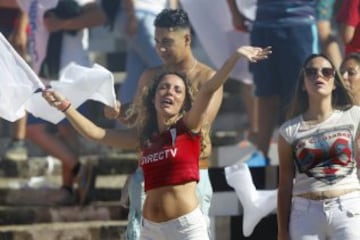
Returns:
(324, 154)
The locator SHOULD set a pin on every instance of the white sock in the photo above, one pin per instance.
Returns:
(256, 203)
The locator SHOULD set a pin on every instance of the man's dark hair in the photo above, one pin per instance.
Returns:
(172, 18)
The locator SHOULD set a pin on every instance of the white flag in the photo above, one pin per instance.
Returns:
(77, 84)
(18, 82)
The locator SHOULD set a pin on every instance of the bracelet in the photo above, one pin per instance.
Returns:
(64, 105)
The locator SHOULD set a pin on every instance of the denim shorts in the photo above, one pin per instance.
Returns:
(31, 119)
(190, 226)
(136, 201)
(5, 31)
(291, 45)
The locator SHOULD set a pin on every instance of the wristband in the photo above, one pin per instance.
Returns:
(64, 105)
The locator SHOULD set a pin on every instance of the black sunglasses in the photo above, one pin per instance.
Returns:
(313, 72)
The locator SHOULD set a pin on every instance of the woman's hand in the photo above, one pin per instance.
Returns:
(56, 100)
(112, 113)
(254, 54)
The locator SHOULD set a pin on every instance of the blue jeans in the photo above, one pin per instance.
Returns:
(5, 31)
(137, 197)
(204, 192)
(141, 52)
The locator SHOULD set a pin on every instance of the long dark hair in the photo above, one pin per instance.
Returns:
(147, 117)
(340, 97)
(354, 55)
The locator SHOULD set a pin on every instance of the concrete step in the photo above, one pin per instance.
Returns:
(38, 166)
(96, 211)
(44, 190)
(51, 197)
(54, 181)
(88, 230)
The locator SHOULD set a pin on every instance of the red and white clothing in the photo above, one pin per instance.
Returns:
(172, 157)
(324, 156)
(324, 153)
(349, 14)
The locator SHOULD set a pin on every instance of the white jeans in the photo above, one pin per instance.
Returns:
(330, 219)
(191, 226)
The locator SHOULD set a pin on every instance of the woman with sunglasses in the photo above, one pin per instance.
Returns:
(318, 195)
(169, 137)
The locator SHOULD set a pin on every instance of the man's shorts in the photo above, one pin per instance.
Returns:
(291, 45)
(31, 119)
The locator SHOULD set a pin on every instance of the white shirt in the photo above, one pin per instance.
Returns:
(75, 47)
(324, 154)
(152, 6)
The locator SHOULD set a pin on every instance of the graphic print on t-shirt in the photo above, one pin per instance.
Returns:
(326, 154)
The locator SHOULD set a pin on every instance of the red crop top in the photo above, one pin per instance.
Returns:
(172, 158)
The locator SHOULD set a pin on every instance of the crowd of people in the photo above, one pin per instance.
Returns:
(305, 83)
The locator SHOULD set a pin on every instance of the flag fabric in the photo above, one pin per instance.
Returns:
(39, 35)
(77, 84)
(18, 82)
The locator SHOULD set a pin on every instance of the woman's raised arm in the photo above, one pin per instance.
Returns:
(194, 118)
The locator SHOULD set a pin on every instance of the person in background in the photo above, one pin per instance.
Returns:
(68, 25)
(13, 25)
(278, 23)
(350, 72)
(318, 192)
(135, 21)
(348, 18)
(241, 23)
(328, 43)
(169, 135)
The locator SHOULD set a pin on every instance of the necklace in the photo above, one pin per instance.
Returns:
(187, 72)
(192, 67)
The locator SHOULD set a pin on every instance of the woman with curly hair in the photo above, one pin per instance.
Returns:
(169, 139)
